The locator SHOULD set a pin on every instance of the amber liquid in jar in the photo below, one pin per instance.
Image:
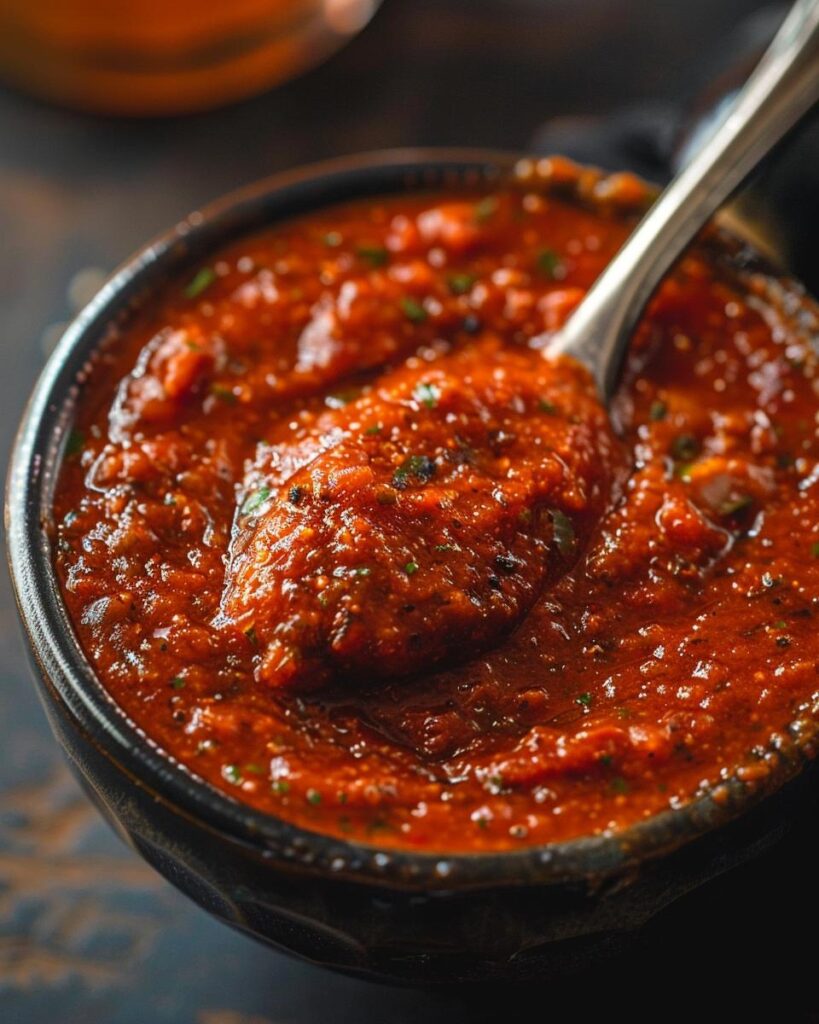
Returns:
(144, 57)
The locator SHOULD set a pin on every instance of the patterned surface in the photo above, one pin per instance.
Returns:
(87, 932)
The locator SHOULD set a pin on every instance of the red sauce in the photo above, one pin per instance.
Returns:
(339, 536)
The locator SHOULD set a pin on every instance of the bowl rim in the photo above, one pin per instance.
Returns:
(73, 685)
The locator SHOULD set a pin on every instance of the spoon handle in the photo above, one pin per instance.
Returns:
(782, 88)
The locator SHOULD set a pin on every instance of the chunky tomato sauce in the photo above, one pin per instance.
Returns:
(339, 535)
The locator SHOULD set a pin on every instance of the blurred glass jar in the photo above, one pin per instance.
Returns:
(144, 57)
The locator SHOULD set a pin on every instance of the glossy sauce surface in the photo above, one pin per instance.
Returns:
(342, 539)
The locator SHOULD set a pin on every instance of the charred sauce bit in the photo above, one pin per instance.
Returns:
(338, 534)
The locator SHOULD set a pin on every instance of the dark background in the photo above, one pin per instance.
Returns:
(87, 932)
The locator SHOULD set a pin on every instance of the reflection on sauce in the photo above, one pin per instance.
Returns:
(345, 542)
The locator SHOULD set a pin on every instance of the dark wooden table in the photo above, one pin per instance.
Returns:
(87, 932)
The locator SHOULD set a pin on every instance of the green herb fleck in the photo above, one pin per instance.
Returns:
(254, 501)
(683, 470)
(202, 280)
(427, 394)
(362, 570)
(341, 398)
(375, 255)
(658, 411)
(254, 768)
(178, 683)
(619, 785)
(544, 405)
(75, 443)
(250, 633)
(563, 531)
(332, 239)
(444, 547)
(376, 428)
(814, 549)
(485, 209)
(460, 284)
(413, 310)
(410, 568)
(232, 774)
(584, 699)
(685, 447)
(550, 264)
(223, 393)
(731, 506)
(280, 787)
(417, 467)
(313, 797)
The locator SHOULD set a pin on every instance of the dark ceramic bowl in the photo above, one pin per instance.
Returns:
(387, 915)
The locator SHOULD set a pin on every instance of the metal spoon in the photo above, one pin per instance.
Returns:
(782, 88)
